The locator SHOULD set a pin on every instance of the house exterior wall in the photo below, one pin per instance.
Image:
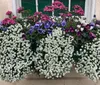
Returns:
(98, 9)
(5, 5)
(70, 79)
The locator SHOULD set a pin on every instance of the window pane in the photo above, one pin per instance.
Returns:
(29, 4)
(42, 4)
(65, 2)
(78, 2)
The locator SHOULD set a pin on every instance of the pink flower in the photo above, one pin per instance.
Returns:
(8, 21)
(37, 13)
(11, 22)
(14, 17)
(63, 15)
(69, 14)
(45, 17)
(78, 10)
(76, 6)
(49, 8)
(87, 27)
(8, 12)
(20, 9)
(59, 5)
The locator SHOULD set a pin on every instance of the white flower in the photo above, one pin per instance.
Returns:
(54, 60)
(91, 27)
(97, 25)
(81, 28)
(15, 54)
(89, 64)
(78, 26)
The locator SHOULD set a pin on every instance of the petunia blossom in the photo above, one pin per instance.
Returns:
(8, 12)
(49, 8)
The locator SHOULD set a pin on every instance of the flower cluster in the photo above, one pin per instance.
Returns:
(42, 28)
(8, 12)
(79, 28)
(20, 9)
(53, 56)
(89, 64)
(8, 21)
(15, 54)
(49, 44)
(55, 5)
(59, 5)
(78, 10)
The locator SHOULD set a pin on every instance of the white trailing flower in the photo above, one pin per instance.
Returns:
(89, 64)
(53, 57)
(15, 54)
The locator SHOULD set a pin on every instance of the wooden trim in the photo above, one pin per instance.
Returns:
(36, 5)
(69, 5)
(90, 7)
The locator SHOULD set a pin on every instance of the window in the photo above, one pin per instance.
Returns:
(38, 5)
(29, 4)
(79, 2)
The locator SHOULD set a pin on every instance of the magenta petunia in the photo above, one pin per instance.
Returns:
(49, 8)
(14, 17)
(37, 13)
(8, 12)
(59, 5)
(8, 21)
(20, 9)
(78, 10)
(69, 14)
(45, 17)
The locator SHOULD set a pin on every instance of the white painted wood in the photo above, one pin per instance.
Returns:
(90, 7)
(16, 4)
(69, 5)
(53, 11)
(14, 7)
(36, 5)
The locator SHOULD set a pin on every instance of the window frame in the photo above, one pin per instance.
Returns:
(90, 8)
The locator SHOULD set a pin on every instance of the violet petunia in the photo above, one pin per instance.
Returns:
(63, 23)
(46, 25)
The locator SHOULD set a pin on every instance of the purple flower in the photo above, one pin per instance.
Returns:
(71, 29)
(41, 31)
(92, 35)
(67, 30)
(31, 30)
(54, 24)
(47, 25)
(3, 28)
(0, 22)
(78, 33)
(92, 24)
(49, 31)
(24, 37)
(37, 25)
(63, 29)
(58, 24)
(63, 23)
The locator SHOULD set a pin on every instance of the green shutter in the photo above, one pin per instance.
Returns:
(42, 4)
(29, 4)
(78, 2)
